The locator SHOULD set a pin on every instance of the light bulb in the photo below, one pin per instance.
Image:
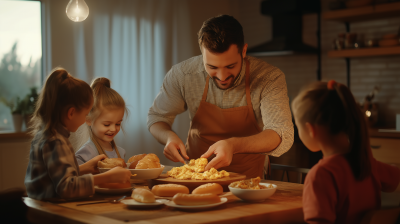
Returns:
(77, 10)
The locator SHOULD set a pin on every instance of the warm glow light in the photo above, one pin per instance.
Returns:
(368, 113)
(77, 10)
(5, 121)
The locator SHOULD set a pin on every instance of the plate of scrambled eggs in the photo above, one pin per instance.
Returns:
(193, 175)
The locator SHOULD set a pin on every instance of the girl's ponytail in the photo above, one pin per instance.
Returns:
(333, 106)
(360, 153)
(60, 92)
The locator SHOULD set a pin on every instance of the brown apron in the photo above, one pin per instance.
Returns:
(211, 124)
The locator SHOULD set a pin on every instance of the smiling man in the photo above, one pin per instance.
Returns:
(238, 105)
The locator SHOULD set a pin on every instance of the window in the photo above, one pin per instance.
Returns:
(20, 61)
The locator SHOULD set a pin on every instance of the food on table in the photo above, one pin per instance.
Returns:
(195, 199)
(212, 188)
(143, 195)
(111, 163)
(197, 165)
(115, 185)
(169, 190)
(195, 171)
(134, 160)
(253, 183)
(150, 161)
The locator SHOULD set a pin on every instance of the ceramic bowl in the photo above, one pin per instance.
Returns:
(254, 195)
(141, 173)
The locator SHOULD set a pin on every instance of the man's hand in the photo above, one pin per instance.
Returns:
(224, 152)
(91, 165)
(172, 148)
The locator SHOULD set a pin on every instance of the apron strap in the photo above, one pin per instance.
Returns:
(205, 89)
(248, 98)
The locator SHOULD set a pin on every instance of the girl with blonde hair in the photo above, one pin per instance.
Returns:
(104, 122)
(53, 172)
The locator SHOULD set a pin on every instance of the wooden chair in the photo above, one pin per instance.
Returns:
(386, 216)
(285, 168)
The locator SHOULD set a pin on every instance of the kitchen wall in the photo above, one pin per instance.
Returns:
(365, 72)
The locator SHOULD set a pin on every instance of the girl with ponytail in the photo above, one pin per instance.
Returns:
(104, 122)
(347, 181)
(53, 171)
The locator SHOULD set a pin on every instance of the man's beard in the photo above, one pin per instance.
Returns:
(229, 77)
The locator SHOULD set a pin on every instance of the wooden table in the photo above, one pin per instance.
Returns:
(285, 206)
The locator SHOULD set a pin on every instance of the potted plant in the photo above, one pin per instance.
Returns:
(17, 109)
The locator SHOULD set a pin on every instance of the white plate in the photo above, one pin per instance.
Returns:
(134, 204)
(112, 191)
(195, 207)
(254, 195)
(141, 173)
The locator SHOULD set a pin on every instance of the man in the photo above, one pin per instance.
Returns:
(238, 105)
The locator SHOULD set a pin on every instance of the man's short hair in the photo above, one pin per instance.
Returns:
(218, 33)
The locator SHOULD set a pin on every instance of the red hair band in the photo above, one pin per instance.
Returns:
(331, 84)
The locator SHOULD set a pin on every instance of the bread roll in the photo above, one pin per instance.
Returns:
(115, 185)
(133, 164)
(150, 161)
(136, 158)
(195, 199)
(143, 195)
(111, 163)
(212, 188)
(169, 190)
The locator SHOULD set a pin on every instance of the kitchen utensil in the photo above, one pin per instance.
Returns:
(106, 201)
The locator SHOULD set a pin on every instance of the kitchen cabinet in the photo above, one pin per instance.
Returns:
(386, 150)
(365, 13)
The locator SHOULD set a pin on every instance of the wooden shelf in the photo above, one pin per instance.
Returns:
(364, 52)
(14, 135)
(364, 13)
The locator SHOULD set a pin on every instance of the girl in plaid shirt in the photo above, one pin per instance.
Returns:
(53, 171)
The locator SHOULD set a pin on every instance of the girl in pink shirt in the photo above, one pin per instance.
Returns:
(347, 182)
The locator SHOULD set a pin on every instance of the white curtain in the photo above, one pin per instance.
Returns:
(134, 44)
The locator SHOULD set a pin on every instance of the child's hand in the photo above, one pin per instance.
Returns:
(118, 175)
(91, 165)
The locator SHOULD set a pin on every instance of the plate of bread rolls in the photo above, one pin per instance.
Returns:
(203, 197)
(142, 166)
(143, 198)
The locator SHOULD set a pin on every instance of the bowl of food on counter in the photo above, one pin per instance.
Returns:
(252, 190)
(143, 166)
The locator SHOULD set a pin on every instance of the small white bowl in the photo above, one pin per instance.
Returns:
(141, 173)
(254, 195)
(147, 173)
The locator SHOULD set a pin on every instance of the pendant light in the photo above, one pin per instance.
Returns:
(77, 10)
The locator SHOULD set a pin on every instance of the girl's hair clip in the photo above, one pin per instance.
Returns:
(331, 84)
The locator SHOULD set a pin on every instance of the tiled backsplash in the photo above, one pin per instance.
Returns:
(301, 69)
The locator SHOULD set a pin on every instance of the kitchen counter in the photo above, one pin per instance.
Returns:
(384, 133)
(285, 206)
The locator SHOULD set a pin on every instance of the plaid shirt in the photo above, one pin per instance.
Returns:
(53, 171)
(183, 88)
